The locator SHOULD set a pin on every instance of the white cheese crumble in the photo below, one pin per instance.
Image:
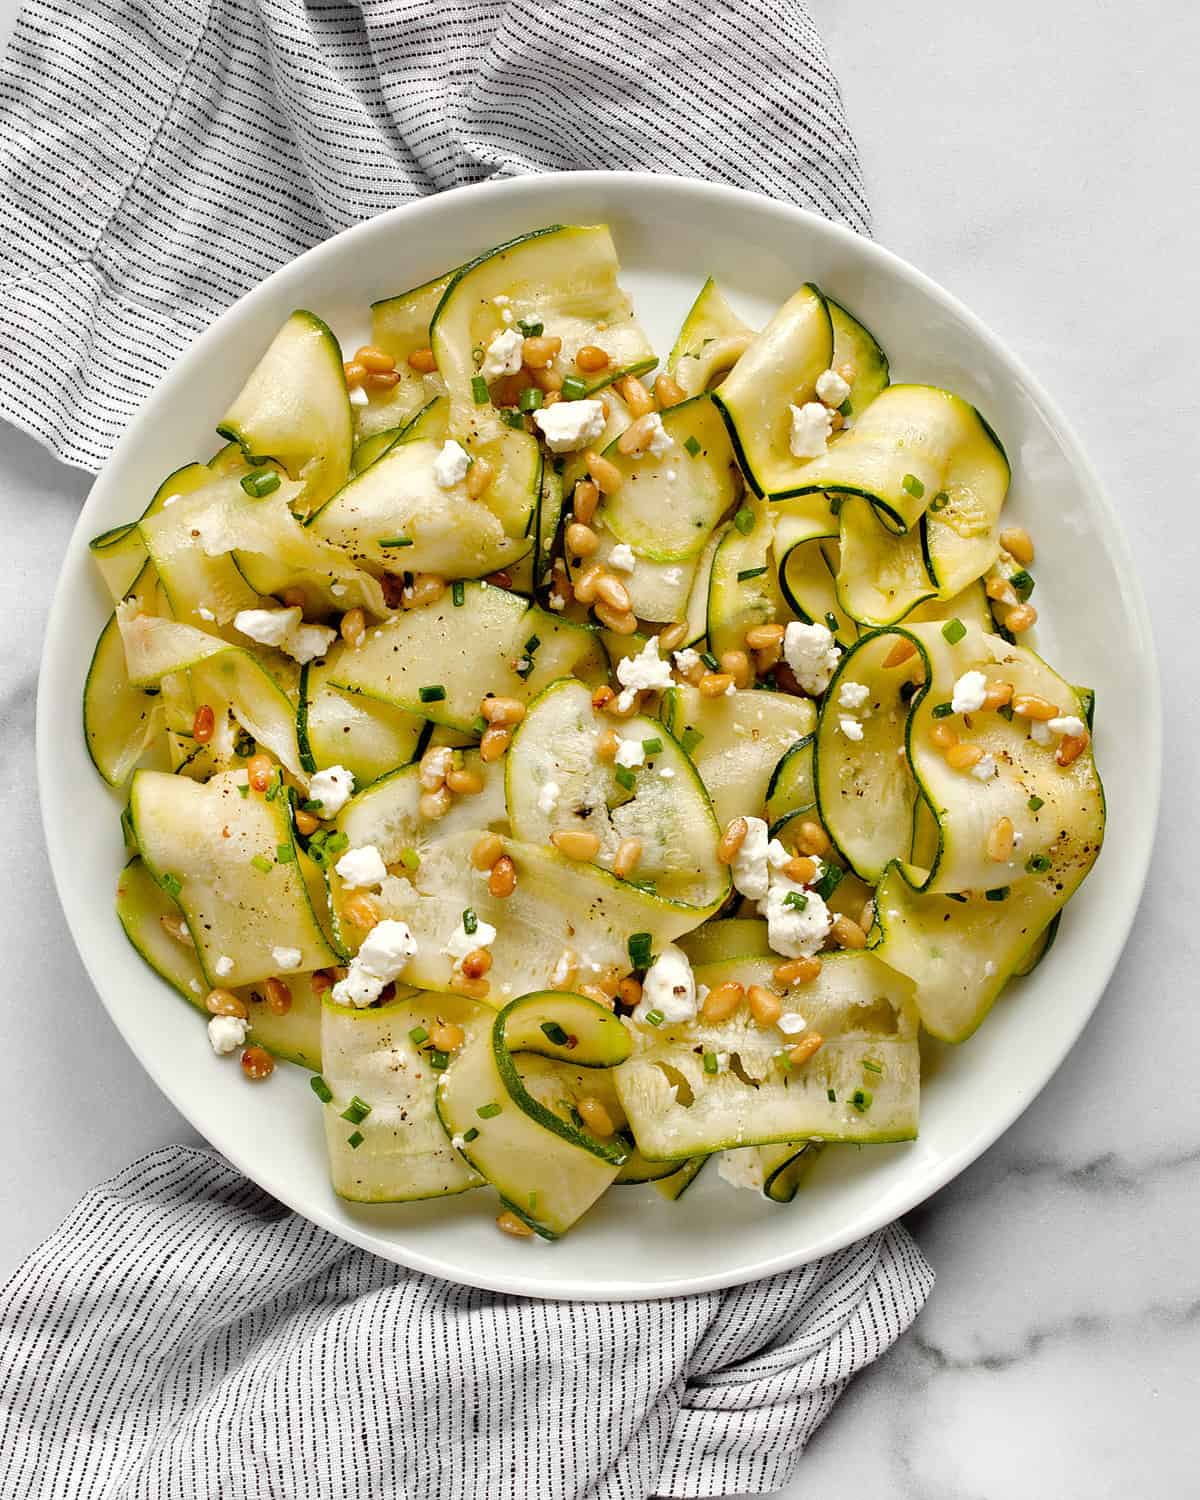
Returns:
(204, 612)
(666, 773)
(568, 425)
(332, 788)
(853, 695)
(641, 673)
(790, 1023)
(985, 769)
(687, 660)
(812, 654)
(547, 797)
(621, 557)
(669, 987)
(811, 425)
(307, 642)
(630, 754)
(1040, 732)
(749, 868)
(337, 589)
(741, 1168)
(851, 728)
(227, 1033)
(831, 388)
(287, 958)
(793, 930)
(461, 942)
(451, 465)
(1068, 725)
(660, 441)
(503, 355)
(362, 867)
(969, 692)
(557, 603)
(385, 950)
(459, 1142)
(358, 396)
(284, 630)
(223, 967)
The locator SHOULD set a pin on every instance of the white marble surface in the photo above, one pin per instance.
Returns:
(1040, 161)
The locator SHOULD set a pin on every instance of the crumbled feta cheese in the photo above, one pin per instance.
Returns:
(227, 1033)
(337, 589)
(503, 356)
(831, 388)
(461, 942)
(547, 797)
(669, 987)
(851, 728)
(204, 612)
(660, 440)
(568, 425)
(1040, 733)
(501, 299)
(790, 1023)
(985, 769)
(794, 930)
(362, 867)
(358, 396)
(630, 754)
(386, 949)
(643, 672)
(749, 868)
(969, 692)
(360, 987)
(307, 642)
(1068, 725)
(812, 654)
(451, 465)
(741, 1168)
(811, 425)
(557, 603)
(853, 695)
(269, 627)
(989, 969)
(507, 317)
(778, 856)
(332, 788)
(287, 958)
(459, 1142)
(687, 660)
(223, 967)
(195, 986)
(666, 772)
(621, 557)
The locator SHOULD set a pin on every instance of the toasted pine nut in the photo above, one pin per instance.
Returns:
(562, 585)
(278, 996)
(381, 380)
(321, 980)
(998, 694)
(1032, 706)
(942, 735)
(732, 840)
(479, 477)
(801, 869)
(354, 628)
(257, 1064)
(797, 970)
(433, 805)
(225, 1003)
(575, 843)
(608, 743)
(722, 1000)
(372, 358)
(585, 584)
(584, 501)
(473, 989)
(502, 879)
(637, 435)
(204, 724)
(176, 927)
(811, 838)
(1020, 619)
(499, 579)
(613, 593)
(361, 911)
(846, 933)
(1070, 748)
(601, 698)
(605, 475)
(625, 861)
(594, 992)
(476, 963)
(901, 652)
(672, 637)
(736, 664)
(802, 1051)
(494, 743)
(422, 361)
(446, 1036)
(581, 540)
(259, 770)
(595, 1117)
(539, 350)
(629, 991)
(487, 851)
(591, 358)
(354, 372)
(550, 381)
(635, 395)
(1018, 543)
(464, 781)
(614, 706)
(426, 588)
(512, 1225)
(431, 773)
(293, 598)
(760, 636)
(1001, 591)
(502, 711)
(668, 392)
(1000, 841)
(764, 1005)
(714, 684)
(619, 621)
(962, 757)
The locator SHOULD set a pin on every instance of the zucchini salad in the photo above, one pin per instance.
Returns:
(583, 773)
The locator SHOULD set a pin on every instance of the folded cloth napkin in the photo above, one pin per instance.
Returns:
(183, 1334)
(184, 1337)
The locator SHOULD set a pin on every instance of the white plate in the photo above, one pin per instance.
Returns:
(670, 235)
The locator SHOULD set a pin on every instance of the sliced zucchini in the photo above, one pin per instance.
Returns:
(712, 340)
(550, 509)
(743, 589)
(294, 409)
(661, 592)
(809, 583)
(785, 1167)
(369, 738)
(201, 843)
(471, 649)
(400, 326)
(971, 607)
(204, 589)
(674, 1186)
(121, 552)
(881, 577)
(547, 1168)
(726, 938)
(554, 781)
(790, 789)
(695, 613)
(120, 718)
(865, 1014)
(855, 346)
(398, 1152)
(779, 369)
(370, 449)
(736, 741)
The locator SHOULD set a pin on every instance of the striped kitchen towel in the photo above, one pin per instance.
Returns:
(184, 1337)
(160, 157)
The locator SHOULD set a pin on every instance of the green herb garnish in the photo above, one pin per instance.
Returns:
(654, 1018)
(913, 486)
(651, 747)
(690, 739)
(1038, 864)
(1022, 581)
(530, 399)
(939, 501)
(532, 328)
(395, 541)
(997, 893)
(470, 1135)
(1035, 803)
(434, 693)
(479, 390)
(710, 661)
(862, 1100)
(555, 1033)
(942, 710)
(831, 878)
(284, 854)
(639, 947)
(458, 592)
(831, 622)
(261, 862)
(573, 388)
(954, 630)
(356, 1111)
(439, 1061)
(418, 1035)
(488, 1111)
(744, 520)
(470, 921)
(625, 777)
(711, 1064)
(319, 1087)
(410, 859)
(355, 1141)
(171, 884)
(751, 573)
(260, 483)
(796, 900)
(692, 444)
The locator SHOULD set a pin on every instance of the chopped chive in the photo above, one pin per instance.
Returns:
(652, 747)
(312, 805)
(410, 859)
(831, 878)
(751, 573)
(530, 399)
(831, 622)
(954, 630)
(797, 900)
(261, 862)
(284, 854)
(479, 724)
(639, 947)
(711, 1065)
(625, 777)
(1006, 711)
(458, 592)
(913, 486)
(1038, 864)
(488, 1111)
(171, 884)
(470, 921)
(395, 541)
(434, 693)
(573, 388)
(276, 784)
(512, 416)
(846, 407)
(479, 390)
(532, 328)
(555, 1033)
(831, 1096)
(710, 661)
(690, 739)
(872, 1066)
(356, 1111)
(955, 896)
(471, 1135)
(942, 710)
(1035, 803)
(997, 893)
(939, 501)
(319, 1087)
(261, 483)
(835, 504)
(418, 1035)
(692, 444)
(744, 520)
(439, 1061)
(336, 842)
(532, 644)
(654, 1018)
(244, 745)
(355, 1141)
(244, 789)
(862, 1100)
(649, 886)
(1022, 581)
